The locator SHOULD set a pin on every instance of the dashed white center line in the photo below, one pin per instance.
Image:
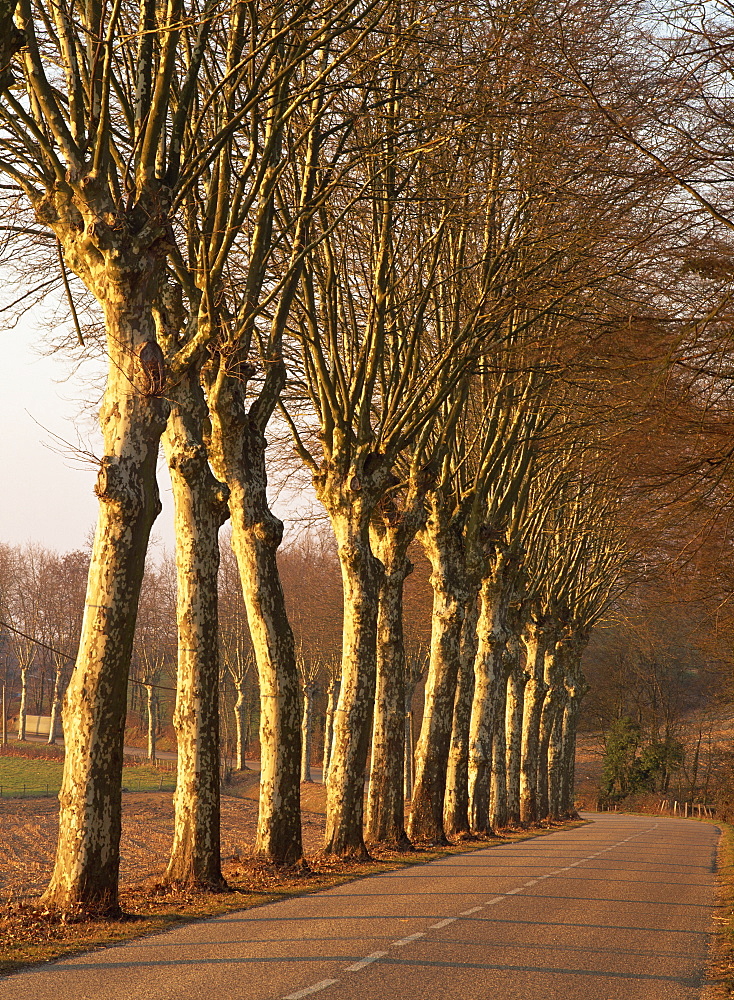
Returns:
(377, 955)
(407, 940)
(316, 988)
(366, 961)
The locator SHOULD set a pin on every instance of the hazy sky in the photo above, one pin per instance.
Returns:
(47, 496)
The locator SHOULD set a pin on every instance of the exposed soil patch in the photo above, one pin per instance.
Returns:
(28, 831)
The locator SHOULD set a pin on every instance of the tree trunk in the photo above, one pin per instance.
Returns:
(456, 803)
(553, 677)
(488, 675)
(555, 763)
(444, 549)
(239, 723)
(200, 510)
(151, 720)
(408, 762)
(514, 725)
(534, 641)
(53, 725)
(575, 690)
(499, 812)
(360, 582)
(23, 709)
(306, 730)
(132, 418)
(331, 700)
(385, 823)
(237, 450)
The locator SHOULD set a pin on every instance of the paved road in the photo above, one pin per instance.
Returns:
(620, 908)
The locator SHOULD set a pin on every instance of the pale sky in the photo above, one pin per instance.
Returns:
(46, 496)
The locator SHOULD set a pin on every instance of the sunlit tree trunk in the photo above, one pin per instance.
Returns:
(360, 581)
(237, 451)
(53, 725)
(534, 640)
(514, 724)
(488, 677)
(385, 821)
(23, 708)
(132, 418)
(456, 803)
(553, 681)
(200, 509)
(444, 547)
(150, 705)
(332, 696)
(408, 770)
(309, 690)
(499, 808)
(239, 725)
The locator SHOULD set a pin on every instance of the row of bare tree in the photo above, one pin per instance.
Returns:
(405, 236)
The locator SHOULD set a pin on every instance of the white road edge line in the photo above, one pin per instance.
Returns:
(311, 989)
(407, 940)
(443, 923)
(365, 961)
(466, 913)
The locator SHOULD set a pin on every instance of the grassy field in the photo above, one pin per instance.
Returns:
(28, 777)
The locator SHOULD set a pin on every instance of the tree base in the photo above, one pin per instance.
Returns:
(213, 884)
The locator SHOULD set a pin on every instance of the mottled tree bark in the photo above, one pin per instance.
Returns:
(132, 418)
(200, 509)
(488, 679)
(552, 705)
(332, 696)
(499, 810)
(11, 41)
(237, 451)
(456, 803)
(514, 724)
(444, 547)
(534, 639)
(385, 821)
(360, 581)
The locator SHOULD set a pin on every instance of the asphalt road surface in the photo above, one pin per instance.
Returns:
(620, 908)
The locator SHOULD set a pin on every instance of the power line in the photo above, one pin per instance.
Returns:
(59, 652)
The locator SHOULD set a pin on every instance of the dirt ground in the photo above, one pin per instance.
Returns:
(28, 829)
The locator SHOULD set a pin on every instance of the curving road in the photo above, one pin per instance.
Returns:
(620, 908)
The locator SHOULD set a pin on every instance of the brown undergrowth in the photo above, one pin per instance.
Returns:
(29, 934)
